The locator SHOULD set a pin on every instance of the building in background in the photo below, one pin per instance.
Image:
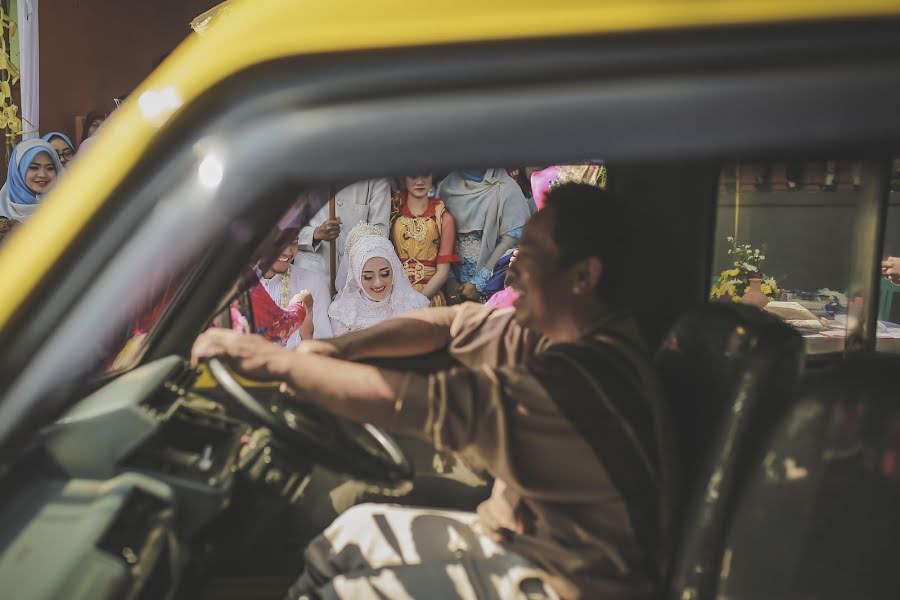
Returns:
(92, 51)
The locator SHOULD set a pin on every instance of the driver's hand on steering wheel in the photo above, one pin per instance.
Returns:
(250, 355)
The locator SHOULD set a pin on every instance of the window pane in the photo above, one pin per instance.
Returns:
(783, 238)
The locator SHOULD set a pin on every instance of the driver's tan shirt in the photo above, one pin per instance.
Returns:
(553, 500)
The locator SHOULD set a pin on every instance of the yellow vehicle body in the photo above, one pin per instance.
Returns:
(257, 32)
(139, 248)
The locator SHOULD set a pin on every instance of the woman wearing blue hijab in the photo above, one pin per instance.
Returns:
(33, 166)
(64, 147)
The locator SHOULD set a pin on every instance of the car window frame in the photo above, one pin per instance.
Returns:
(336, 109)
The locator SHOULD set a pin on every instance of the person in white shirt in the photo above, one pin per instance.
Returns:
(283, 280)
(361, 202)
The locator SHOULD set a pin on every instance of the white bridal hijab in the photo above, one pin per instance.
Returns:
(353, 308)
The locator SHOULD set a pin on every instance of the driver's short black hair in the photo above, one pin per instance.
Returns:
(588, 221)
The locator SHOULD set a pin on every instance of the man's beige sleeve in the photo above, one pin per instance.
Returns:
(459, 407)
(485, 336)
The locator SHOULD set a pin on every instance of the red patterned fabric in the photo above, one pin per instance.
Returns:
(271, 321)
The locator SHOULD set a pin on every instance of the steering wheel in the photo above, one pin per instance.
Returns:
(361, 450)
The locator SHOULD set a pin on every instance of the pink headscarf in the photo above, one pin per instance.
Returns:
(543, 181)
(504, 298)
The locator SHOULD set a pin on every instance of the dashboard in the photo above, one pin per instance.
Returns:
(119, 491)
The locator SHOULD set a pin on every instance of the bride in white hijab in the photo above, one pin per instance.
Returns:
(376, 289)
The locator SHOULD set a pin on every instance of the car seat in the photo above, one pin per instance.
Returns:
(729, 371)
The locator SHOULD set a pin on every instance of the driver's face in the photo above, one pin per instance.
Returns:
(536, 276)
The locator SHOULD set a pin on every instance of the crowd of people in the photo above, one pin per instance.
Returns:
(401, 245)
(450, 240)
(34, 165)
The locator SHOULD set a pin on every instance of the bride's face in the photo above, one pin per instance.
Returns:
(377, 278)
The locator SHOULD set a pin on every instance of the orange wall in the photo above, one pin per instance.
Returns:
(95, 50)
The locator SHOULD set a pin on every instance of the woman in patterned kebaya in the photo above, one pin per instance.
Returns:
(424, 235)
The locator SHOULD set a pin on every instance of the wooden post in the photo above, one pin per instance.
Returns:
(332, 274)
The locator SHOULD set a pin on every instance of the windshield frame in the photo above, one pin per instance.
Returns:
(356, 116)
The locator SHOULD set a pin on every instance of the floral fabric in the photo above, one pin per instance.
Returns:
(271, 321)
(468, 246)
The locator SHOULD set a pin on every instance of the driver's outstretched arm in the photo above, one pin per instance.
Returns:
(353, 391)
(410, 334)
(365, 393)
(350, 390)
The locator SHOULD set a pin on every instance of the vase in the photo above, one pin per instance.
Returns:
(754, 295)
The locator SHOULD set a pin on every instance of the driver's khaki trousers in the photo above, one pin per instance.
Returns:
(386, 551)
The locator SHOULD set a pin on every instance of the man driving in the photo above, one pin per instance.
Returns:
(555, 398)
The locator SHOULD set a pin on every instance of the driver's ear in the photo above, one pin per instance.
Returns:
(586, 275)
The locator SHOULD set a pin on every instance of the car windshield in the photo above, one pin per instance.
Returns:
(285, 284)
(786, 237)
(168, 287)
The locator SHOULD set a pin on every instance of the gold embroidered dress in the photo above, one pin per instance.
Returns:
(423, 241)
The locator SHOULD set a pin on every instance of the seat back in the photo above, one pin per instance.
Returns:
(728, 370)
(819, 516)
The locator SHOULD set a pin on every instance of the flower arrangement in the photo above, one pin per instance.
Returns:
(733, 283)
